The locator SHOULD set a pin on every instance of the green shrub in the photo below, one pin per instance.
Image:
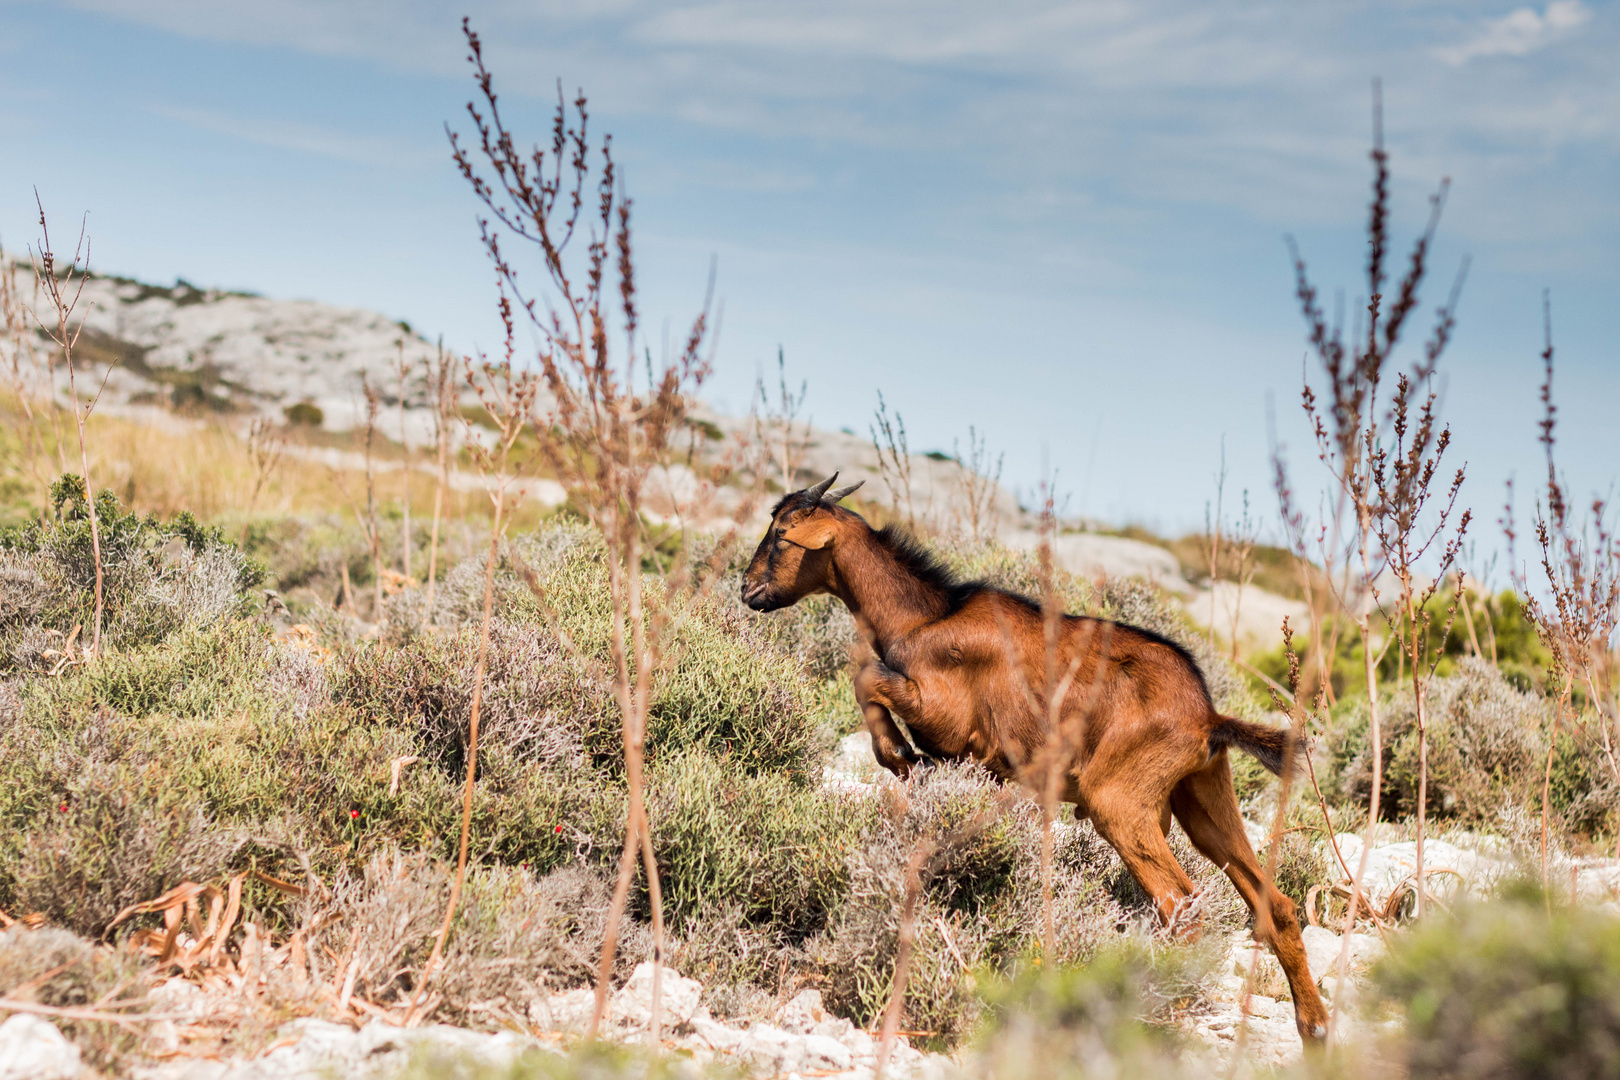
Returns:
(720, 688)
(1488, 745)
(516, 931)
(304, 414)
(1107, 1019)
(980, 912)
(157, 577)
(976, 911)
(817, 632)
(758, 845)
(197, 673)
(1509, 990)
(1304, 860)
(309, 552)
(129, 775)
(111, 845)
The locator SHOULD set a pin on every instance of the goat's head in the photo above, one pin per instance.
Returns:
(794, 558)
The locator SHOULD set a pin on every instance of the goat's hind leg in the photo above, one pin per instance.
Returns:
(1207, 807)
(1132, 828)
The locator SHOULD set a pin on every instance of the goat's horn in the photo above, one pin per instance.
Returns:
(838, 494)
(820, 489)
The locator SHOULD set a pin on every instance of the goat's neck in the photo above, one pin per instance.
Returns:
(887, 600)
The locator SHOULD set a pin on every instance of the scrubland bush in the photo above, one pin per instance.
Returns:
(980, 911)
(1109, 1019)
(158, 577)
(148, 767)
(756, 845)
(218, 748)
(521, 932)
(1488, 745)
(1509, 990)
(750, 703)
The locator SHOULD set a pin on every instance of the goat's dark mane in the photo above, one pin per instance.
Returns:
(924, 565)
(917, 560)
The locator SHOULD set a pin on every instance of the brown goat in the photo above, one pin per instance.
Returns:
(1138, 737)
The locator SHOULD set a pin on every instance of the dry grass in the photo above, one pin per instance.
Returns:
(208, 468)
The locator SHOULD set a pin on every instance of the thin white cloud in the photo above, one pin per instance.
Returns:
(1255, 106)
(303, 138)
(1518, 33)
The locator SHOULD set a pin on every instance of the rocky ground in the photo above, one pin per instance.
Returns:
(802, 1040)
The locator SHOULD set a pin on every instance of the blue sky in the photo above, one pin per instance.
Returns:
(1061, 223)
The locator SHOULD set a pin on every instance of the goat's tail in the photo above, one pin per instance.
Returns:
(1273, 747)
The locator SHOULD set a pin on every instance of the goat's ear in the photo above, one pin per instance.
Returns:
(813, 531)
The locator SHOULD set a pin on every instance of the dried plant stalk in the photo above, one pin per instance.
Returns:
(776, 424)
(1576, 621)
(441, 379)
(373, 535)
(1383, 474)
(926, 854)
(979, 481)
(64, 296)
(266, 445)
(31, 379)
(403, 372)
(894, 459)
(508, 397)
(602, 438)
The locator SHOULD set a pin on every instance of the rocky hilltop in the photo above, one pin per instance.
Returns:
(237, 354)
(225, 356)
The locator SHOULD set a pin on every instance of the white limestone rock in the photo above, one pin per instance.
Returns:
(803, 1013)
(31, 1048)
(568, 1012)
(1322, 948)
(824, 1052)
(769, 1046)
(679, 998)
(1388, 865)
(718, 1036)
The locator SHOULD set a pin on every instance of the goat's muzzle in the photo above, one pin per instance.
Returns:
(757, 596)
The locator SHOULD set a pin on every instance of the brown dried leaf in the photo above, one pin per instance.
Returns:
(173, 899)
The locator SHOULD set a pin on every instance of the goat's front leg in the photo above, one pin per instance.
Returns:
(889, 744)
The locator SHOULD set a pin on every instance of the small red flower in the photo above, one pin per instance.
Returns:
(559, 828)
(354, 813)
(63, 808)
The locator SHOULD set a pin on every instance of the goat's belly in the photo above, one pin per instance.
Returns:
(929, 742)
(941, 724)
